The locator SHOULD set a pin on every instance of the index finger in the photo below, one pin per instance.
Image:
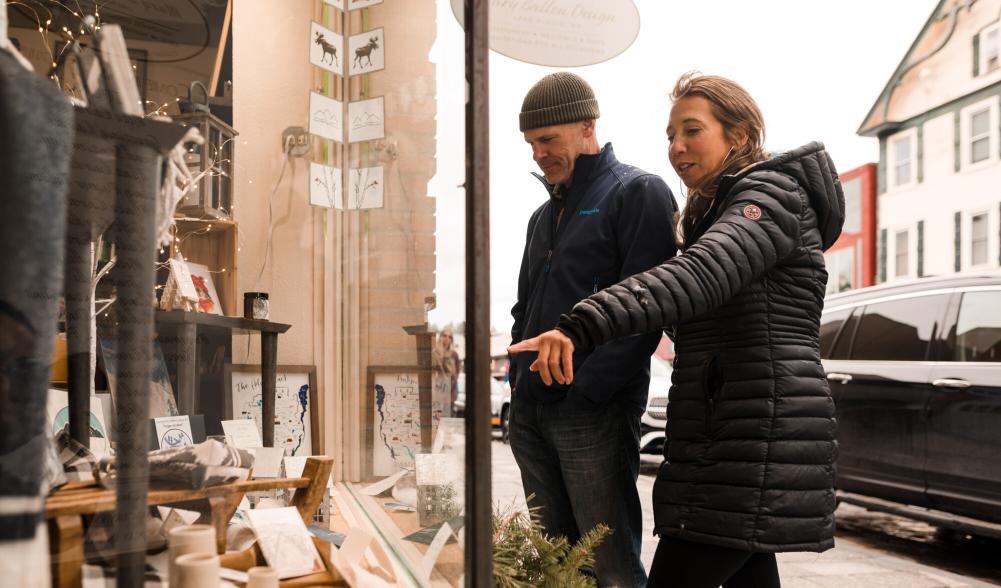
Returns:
(526, 345)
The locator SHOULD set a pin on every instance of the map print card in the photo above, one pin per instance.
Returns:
(285, 541)
(396, 421)
(295, 395)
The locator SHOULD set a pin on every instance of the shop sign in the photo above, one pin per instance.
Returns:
(560, 33)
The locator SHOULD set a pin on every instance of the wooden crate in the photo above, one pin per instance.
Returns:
(213, 243)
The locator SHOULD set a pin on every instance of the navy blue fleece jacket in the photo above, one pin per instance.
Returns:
(617, 221)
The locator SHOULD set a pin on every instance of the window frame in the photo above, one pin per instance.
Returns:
(906, 254)
(972, 243)
(910, 135)
(983, 48)
(966, 114)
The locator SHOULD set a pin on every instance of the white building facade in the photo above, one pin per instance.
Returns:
(938, 121)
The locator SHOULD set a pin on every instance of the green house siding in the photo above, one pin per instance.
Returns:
(957, 241)
(921, 249)
(881, 256)
(976, 55)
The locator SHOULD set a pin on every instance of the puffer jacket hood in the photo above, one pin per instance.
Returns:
(812, 168)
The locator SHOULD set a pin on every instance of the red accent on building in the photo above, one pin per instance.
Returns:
(862, 181)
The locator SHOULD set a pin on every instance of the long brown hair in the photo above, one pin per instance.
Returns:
(734, 108)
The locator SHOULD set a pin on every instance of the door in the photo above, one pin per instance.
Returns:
(964, 427)
(881, 392)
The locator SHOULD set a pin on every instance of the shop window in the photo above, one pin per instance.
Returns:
(978, 239)
(900, 254)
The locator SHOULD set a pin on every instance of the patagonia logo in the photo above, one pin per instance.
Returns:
(589, 212)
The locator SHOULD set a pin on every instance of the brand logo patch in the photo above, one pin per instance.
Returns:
(752, 212)
(589, 212)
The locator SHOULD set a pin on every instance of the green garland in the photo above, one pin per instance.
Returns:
(525, 557)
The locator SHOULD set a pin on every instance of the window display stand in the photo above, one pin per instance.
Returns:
(65, 507)
(187, 325)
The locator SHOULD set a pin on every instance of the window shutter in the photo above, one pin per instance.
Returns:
(976, 55)
(881, 167)
(957, 155)
(921, 249)
(957, 243)
(921, 153)
(881, 257)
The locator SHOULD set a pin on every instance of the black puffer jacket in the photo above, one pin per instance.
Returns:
(750, 426)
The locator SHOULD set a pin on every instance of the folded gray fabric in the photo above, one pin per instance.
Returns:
(209, 463)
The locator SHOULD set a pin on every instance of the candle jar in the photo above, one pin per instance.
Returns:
(255, 305)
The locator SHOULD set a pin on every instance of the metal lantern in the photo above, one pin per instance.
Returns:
(212, 197)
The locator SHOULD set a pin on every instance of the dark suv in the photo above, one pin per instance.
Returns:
(915, 371)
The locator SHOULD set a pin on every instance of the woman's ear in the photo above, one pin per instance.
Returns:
(738, 136)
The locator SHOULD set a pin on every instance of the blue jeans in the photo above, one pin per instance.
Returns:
(581, 463)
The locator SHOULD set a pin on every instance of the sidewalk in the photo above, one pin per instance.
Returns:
(848, 565)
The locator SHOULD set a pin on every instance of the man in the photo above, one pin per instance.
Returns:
(578, 446)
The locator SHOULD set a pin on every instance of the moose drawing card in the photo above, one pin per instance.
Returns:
(367, 52)
(325, 48)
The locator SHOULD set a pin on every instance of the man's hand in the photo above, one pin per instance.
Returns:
(555, 359)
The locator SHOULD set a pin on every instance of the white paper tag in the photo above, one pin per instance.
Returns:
(173, 431)
(243, 432)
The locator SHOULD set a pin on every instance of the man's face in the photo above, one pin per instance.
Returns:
(555, 148)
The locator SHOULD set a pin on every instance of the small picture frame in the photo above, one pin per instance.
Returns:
(190, 287)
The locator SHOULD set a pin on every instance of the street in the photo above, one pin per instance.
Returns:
(873, 550)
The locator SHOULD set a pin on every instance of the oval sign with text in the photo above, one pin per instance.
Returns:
(560, 33)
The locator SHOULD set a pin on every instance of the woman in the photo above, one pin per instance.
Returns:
(749, 468)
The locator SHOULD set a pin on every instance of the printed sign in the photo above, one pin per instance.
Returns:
(560, 33)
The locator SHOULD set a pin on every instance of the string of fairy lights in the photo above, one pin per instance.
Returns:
(84, 25)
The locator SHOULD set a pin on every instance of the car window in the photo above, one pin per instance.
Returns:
(843, 344)
(830, 326)
(978, 328)
(898, 330)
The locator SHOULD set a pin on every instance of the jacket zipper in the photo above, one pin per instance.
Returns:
(709, 384)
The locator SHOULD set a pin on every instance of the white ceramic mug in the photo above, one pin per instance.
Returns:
(198, 539)
(262, 577)
(198, 570)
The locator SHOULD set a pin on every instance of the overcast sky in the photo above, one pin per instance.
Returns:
(815, 68)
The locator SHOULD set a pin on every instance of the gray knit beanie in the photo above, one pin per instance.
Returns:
(557, 99)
